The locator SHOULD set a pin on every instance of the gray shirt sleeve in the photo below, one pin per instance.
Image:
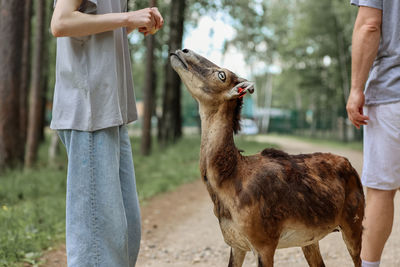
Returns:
(369, 3)
(87, 6)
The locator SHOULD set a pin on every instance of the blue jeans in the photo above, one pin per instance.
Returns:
(103, 216)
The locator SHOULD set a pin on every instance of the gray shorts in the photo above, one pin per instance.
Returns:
(381, 168)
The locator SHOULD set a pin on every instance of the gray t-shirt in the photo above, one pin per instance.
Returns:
(94, 86)
(383, 85)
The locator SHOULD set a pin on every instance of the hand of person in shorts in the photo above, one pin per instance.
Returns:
(354, 107)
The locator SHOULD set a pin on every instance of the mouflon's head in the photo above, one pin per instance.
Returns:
(208, 83)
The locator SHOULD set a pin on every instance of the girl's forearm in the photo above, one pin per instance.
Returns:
(80, 24)
(68, 21)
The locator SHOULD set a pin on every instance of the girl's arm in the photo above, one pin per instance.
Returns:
(68, 21)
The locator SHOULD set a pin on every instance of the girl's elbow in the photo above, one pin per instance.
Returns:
(56, 30)
(57, 27)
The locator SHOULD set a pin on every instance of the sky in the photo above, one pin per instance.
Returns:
(208, 37)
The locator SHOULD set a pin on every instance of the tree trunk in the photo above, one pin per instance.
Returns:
(148, 93)
(171, 121)
(11, 32)
(46, 62)
(36, 95)
(25, 73)
(343, 59)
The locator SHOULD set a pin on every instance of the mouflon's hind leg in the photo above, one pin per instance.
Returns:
(313, 255)
(237, 257)
(351, 224)
(352, 233)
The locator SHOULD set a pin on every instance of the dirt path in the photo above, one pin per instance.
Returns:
(180, 229)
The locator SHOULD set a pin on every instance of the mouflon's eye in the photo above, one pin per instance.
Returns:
(222, 76)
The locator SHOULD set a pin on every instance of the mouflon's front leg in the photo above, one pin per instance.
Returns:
(237, 257)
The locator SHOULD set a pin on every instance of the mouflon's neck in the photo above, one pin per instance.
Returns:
(218, 153)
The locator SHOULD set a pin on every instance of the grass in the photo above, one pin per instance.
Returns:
(32, 201)
(32, 210)
(166, 168)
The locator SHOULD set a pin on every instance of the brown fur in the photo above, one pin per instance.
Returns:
(271, 199)
(296, 185)
(313, 255)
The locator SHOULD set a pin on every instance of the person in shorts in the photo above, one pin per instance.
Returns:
(374, 102)
(93, 103)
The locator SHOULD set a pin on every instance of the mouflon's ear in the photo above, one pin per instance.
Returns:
(240, 90)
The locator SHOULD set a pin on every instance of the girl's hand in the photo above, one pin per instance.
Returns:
(141, 19)
(148, 20)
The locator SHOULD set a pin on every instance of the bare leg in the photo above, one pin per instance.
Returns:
(237, 257)
(313, 255)
(378, 223)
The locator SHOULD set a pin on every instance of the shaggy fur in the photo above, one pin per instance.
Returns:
(236, 115)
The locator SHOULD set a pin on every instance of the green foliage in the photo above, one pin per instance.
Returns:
(310, 41)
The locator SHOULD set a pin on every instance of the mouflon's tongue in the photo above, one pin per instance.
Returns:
(241, 93)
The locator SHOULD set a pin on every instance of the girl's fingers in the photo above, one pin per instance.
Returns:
(153, 22)
(159, 19)
(155, 18)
